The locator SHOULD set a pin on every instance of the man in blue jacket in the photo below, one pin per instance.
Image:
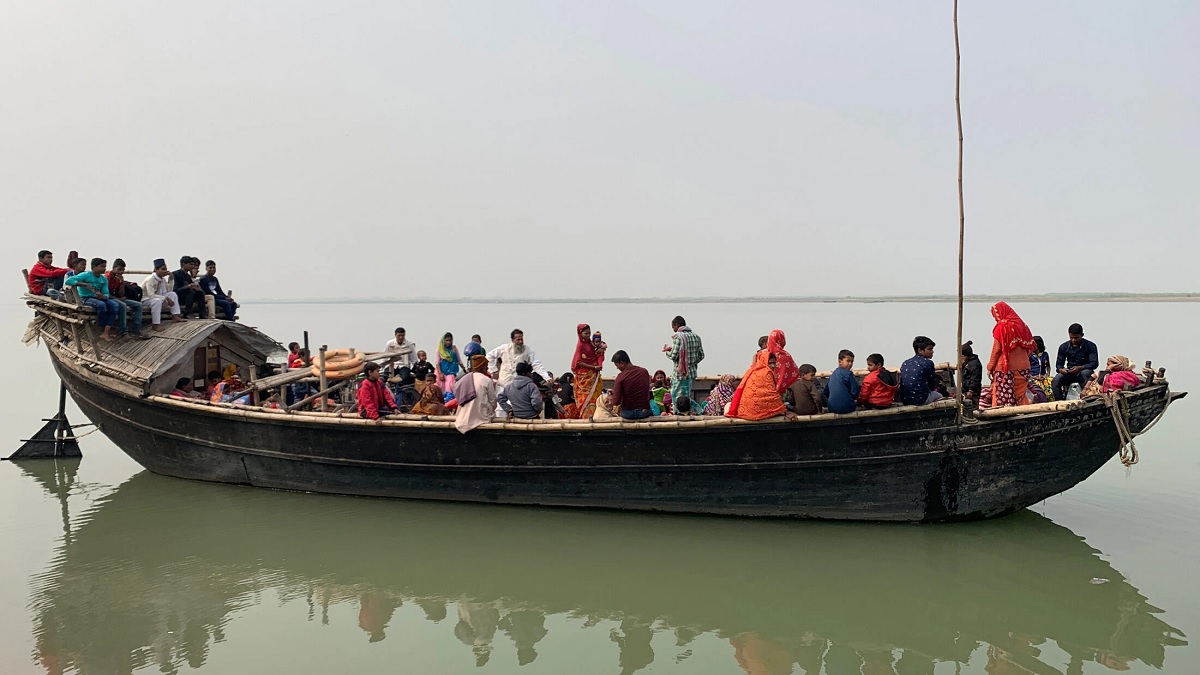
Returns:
(1078, 358)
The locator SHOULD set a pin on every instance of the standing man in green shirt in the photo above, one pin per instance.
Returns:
(686, 352)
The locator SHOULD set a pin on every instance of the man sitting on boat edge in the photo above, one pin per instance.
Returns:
(46, 279)
(919, 380)
(631, 390)
(214, 295)
(156, 291)
(92, 287)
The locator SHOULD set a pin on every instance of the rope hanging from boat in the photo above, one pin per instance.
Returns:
(1120, 413)
(1160, 414)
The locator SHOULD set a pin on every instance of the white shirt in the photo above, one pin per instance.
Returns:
(157, 287)
(408, 352)
(503, 361)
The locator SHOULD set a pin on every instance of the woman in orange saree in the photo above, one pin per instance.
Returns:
(757, 397)
(586, 368)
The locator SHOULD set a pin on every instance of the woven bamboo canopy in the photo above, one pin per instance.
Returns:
(139, 362)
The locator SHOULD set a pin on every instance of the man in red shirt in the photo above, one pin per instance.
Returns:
(374, 399)
(45, 278)
(631, 390)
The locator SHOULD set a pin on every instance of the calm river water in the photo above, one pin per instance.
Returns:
(105, 568)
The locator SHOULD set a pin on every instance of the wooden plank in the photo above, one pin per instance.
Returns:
(324, 379)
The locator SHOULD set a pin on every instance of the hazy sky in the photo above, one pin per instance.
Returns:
(539, 149)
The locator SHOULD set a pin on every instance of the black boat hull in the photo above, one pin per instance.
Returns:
(912, 467)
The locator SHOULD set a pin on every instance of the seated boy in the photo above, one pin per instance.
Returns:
(972, 375)
(919, 380)
(879, 386)
(92, 287)
(121, 292)
(841, 391)
(806, 399)
(374, 399)
(215, 295)
(45, 278)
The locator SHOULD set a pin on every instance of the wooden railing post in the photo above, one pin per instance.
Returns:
(324, 380)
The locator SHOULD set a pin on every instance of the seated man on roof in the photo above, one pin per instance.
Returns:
(46, 279)
(211, 287)
(503, 360)
(1078, 358)
(191, 296)
(156, 292)
(92, 287)
(122, 293)
(374, 399)
(521, 398)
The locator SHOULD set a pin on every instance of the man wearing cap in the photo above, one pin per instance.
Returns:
(1078, 358)
(156, 292)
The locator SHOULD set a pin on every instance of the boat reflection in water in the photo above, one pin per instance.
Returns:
(159, 569)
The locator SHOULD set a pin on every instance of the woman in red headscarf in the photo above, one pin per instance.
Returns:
(757, 397)
(786, 370)
(586, 368)
(1008, 366)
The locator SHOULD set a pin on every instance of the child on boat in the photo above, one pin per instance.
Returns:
(841, 391)
(806, 398)
(972, 374)
(431, 401)
(1041, 375)
(879, 386)
(659, 388)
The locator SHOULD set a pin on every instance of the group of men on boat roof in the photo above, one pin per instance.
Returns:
(476, 385)
(120, 304)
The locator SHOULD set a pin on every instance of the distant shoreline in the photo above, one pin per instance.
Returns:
(865, 299)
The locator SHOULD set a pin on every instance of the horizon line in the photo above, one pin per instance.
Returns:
(810, 299)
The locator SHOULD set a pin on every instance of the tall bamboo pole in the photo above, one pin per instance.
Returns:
(958, 397)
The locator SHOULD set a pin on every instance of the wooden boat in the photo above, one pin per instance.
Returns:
(172, 565)
(915, 463)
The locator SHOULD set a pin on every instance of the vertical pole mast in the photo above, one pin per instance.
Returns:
(958, 396)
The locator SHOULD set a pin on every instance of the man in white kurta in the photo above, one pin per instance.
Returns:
(503, 360)
(480, 409)
(156, 291)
